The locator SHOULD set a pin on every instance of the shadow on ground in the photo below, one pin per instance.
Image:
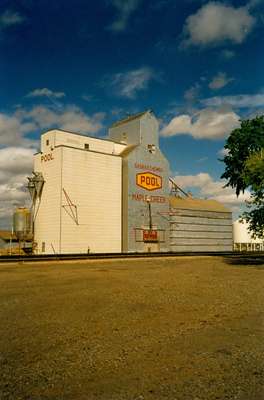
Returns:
(245, 259)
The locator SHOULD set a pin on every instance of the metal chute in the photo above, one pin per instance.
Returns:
(35, 185)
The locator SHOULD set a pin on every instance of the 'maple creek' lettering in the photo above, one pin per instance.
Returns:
(146, 198)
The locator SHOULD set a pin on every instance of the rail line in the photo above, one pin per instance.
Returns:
(104, 256)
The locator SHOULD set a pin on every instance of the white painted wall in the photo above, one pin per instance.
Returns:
(47, 212)
(242, 234)
(57, 138)
(92, 181)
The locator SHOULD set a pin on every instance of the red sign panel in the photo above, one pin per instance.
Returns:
(150, 236)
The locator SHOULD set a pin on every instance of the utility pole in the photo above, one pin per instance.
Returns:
(149, 211)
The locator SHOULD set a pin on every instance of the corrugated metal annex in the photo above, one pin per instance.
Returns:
(200, 225)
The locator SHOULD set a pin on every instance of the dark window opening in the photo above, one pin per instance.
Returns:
(151, 148)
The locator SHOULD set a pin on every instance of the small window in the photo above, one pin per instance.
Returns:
(151, 148)
(124, 137)
(43, 247)
(47, 142)
(86, 146)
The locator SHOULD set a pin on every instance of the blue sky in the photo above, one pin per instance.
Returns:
(82, 65)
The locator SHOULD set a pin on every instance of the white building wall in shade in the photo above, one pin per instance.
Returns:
(80, 207)
(47, 209)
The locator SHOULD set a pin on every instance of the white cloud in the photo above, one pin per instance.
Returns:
(70, 118)
(16, 163)
(73, 119)
(215, 23)
(10, 18)
(128, 84)
(205, 124)
(15, 128)
(124, 8)
(17, 149)
(240, 100)
(219, 81)
(44, 92)
(211, 189)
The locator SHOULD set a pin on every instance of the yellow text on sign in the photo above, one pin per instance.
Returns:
(149, 181)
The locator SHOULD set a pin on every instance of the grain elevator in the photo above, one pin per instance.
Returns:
(94, 195)
(102, 195)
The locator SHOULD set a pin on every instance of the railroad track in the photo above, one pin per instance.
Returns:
(104, 256)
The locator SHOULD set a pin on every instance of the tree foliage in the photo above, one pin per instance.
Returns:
(244, 168)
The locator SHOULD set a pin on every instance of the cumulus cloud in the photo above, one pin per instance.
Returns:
(124, 9)
(44, 92)
(16, 163)
(215, 23)
(70, 118)
(204, 124)
(239, 101)
(13, 129)
(16, 128)
(211, 189)
(128, 84)
(219, 81)
(10, 18)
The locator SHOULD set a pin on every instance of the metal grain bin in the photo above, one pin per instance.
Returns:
(21, 222)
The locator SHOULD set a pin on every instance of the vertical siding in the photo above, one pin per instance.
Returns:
(47, 221)
(93, 183)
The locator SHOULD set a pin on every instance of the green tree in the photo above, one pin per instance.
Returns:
(244, 169)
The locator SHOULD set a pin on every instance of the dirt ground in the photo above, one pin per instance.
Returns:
(177, 329)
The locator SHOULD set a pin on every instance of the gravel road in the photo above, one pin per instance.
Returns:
(176, 329)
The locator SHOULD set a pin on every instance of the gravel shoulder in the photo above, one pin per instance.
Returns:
(176, 329)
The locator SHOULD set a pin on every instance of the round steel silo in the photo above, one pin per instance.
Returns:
(21, 222)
